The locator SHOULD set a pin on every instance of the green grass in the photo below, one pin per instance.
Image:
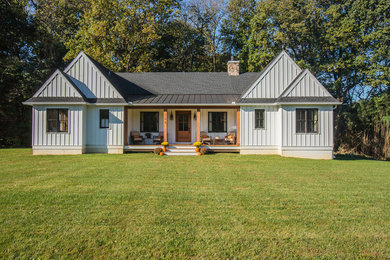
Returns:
(214, 206)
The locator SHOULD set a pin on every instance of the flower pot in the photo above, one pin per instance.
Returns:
(197, 149)
(199, 154)
(164, 148)
(162, 153)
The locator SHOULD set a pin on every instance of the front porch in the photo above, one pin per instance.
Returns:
(217, 127)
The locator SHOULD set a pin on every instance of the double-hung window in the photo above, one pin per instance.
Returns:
(104, 117)
(259, 119)
(307, 120)
(57, 120)
(217, 122)
(149, 122)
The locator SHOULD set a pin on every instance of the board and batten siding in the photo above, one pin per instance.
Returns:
(276, 79)
(58, 86)
(269, 136)
(105, 137)
(83, 70)
(74, 136)
(324, 137)
(306, 85)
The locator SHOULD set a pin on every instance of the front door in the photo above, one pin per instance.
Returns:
(183, 126)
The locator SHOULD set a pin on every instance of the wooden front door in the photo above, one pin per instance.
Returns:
(183, 126)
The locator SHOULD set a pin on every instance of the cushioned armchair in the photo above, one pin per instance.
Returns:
(136, 138)
(205, 139)
(230, 138)
(158, 139)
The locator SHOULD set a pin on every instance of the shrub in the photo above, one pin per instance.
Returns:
(157, 150)
(164, 143)
(197, 144)
(204, 150)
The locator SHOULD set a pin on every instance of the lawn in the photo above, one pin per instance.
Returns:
(214, 206)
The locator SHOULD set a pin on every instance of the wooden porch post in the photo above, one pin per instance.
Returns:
(165, 125)
(198, 124)
(238, 127)
(125, 121)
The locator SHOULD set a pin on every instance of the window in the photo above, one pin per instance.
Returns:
(149, 122)
(307, 120)
(104, 118)
(217, 121)
(259, 118)
(57, 120)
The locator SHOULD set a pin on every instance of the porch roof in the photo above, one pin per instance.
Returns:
(184, 99)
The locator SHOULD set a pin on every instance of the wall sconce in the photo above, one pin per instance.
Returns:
(171, 116)
(195, 116)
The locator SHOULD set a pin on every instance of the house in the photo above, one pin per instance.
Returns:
(87, 108)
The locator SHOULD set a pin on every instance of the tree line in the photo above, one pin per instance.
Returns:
(345, 43)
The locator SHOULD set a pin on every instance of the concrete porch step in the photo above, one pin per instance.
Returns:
(181, 153)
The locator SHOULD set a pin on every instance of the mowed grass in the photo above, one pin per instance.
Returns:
(214, 206)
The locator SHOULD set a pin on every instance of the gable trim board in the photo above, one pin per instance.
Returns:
(86, 87)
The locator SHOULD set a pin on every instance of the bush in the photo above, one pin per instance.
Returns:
(157, 150)
(204, 150)
(197, 144)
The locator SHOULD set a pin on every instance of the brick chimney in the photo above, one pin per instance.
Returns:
(233, 67)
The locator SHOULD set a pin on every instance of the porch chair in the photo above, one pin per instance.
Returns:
(230, 138)
(205, 139)
(136, 138)
(159, 138)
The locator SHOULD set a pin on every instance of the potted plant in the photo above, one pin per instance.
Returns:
(157, 150)
(197, 145)
(203, 150)
(164, 144)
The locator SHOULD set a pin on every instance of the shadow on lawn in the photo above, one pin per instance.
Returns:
(351, 156)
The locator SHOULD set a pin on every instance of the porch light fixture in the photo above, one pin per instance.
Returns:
(171, 116)
(195, 116)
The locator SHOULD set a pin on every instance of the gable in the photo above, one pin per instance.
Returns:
(58, 85)
(275, 78)
(306, 85)
(85, 72)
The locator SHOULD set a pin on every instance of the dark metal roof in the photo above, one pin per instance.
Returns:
(55, 100)
(307, 100)
(281, 100)
(107, 100)
(256, 100)
(75, 100)
(184, 99)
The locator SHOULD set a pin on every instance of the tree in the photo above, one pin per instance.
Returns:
(16, 72)
(120, 34)
(235, 29)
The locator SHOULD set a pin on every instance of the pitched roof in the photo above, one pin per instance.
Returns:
(181, 88)
(180, 99)
(289, 100)
(200, 83)
(53, 100)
